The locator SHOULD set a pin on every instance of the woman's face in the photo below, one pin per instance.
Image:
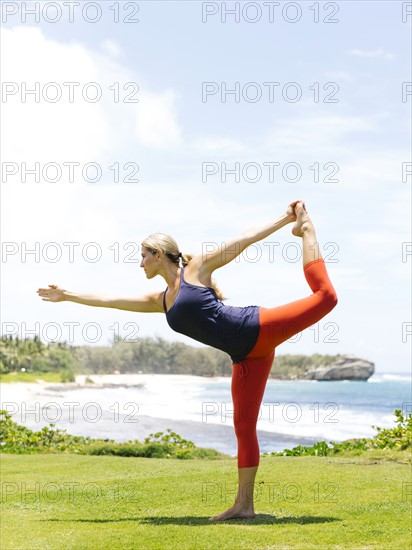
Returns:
(150, 263)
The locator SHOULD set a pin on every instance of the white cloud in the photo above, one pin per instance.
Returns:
(350, 279)
(110, 47)
(372, 53)
(378, 245)
(36, 129)
(219, 145)
(339, 75)
(374, 171)
(321, 131)
(156, 121)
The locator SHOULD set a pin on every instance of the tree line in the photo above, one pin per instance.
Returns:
(149, 355)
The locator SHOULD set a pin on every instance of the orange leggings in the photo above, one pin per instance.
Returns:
(277, 324)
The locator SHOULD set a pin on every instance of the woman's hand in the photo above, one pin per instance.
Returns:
(52, 294)
(290, 211)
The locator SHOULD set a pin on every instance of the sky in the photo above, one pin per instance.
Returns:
(202, 120)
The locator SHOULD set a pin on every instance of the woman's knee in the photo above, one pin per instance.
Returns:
(244, 429)
(330, 298)
(246, 414)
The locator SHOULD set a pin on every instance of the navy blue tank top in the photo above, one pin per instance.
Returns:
(199, 314)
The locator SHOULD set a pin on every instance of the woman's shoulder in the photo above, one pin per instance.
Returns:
(196, 274)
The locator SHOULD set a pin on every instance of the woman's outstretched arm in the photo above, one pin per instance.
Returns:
(150, 303)
(231, 249)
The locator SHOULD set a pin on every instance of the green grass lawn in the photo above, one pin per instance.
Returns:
(66, 501)
(30, 377)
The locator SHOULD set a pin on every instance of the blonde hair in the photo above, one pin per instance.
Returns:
(160, 242)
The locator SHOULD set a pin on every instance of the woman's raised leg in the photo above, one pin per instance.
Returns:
(303, 227)
(280, 323)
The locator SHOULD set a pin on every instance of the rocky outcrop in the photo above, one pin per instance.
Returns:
(346, 367)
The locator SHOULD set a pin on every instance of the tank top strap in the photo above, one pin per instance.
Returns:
(164, 300)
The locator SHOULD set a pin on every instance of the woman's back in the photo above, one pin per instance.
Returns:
(197, 313)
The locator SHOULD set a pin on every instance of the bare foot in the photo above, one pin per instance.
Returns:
(235, 512)
(303, 222)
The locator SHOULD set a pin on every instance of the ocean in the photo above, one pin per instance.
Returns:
(130, 407)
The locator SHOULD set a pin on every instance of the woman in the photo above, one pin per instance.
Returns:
(249, 334)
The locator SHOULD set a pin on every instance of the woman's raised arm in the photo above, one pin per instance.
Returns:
(150, 303)
(231, 249)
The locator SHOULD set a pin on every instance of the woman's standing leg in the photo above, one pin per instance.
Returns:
(248, 386)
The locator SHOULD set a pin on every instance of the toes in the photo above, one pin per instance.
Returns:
(300, 208)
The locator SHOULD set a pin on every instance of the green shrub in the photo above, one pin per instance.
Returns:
(171, 438)
(397, 438)
(67, 375)
(19, 439)
(400, 437)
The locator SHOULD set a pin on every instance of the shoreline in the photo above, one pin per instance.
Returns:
(102, 381)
